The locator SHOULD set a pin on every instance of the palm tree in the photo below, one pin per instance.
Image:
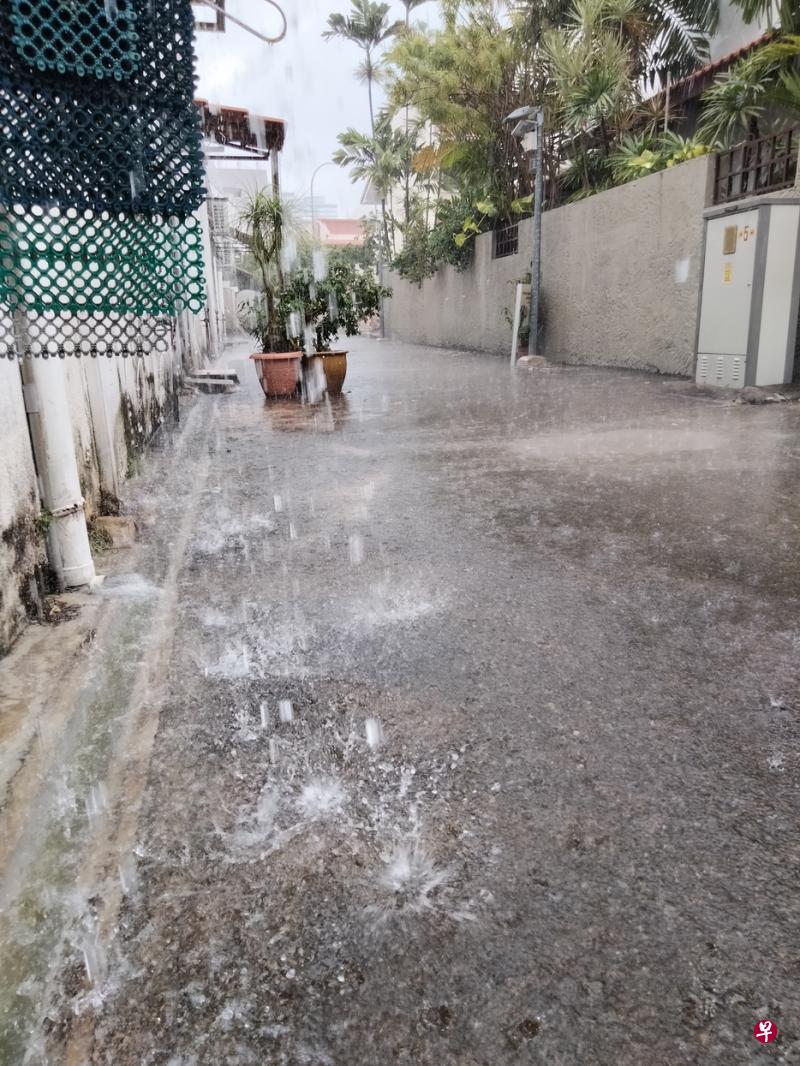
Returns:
(261, 229)
(665, 37)
(779, 14)
(411, 5)
(368, 27)
(763, 83)
(381, 159)
(592, 72)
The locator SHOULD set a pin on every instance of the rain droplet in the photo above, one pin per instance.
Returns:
(286, 711)
(356, 546)
(374, 731)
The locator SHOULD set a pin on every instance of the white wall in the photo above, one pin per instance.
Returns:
(21, 543)
(116, 405)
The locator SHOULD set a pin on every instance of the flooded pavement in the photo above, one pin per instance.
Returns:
(454, 720)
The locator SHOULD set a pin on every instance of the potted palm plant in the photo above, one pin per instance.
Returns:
(347, 296)
(261, 229)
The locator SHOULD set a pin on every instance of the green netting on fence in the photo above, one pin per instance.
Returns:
(130, 145)
(94, 37)
(79, 334)
(52, 260)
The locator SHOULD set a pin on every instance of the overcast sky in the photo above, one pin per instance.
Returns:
(305, 80)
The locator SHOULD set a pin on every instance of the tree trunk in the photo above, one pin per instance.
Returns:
(273, 333)
(369, 92)
(387, 243)
(586, 182)
(604, 135)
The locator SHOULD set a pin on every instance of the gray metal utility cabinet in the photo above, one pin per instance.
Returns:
(747, 323)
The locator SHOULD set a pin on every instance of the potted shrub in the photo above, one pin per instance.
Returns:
(278, 361)
(346, 297)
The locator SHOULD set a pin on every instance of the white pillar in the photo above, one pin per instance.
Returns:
(47, 403)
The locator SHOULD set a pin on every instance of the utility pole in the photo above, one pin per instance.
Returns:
(534, 312)
(529, 129)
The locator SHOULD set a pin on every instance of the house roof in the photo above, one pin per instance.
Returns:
(338, 232)
(698, 81)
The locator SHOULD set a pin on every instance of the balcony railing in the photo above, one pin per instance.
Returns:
(763, 165)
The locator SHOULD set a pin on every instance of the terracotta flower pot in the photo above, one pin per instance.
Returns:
(278, 372)
(335, 366)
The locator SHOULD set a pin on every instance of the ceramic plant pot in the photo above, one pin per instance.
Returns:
(278, 372)
(335, 366)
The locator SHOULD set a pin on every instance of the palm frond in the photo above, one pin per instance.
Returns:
(731, 105)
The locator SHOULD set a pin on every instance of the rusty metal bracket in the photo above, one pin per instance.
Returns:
(249, 29)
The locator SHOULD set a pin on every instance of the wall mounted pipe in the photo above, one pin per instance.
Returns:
(47, 403)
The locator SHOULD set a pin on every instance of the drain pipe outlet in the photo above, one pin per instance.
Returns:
(47, 404)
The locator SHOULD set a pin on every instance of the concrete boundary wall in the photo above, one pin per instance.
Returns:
(22, 549)
(621, 280)
(116, 405)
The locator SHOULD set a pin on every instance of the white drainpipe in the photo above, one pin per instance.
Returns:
(47, 404)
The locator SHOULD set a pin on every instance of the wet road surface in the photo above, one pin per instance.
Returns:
(451, 721)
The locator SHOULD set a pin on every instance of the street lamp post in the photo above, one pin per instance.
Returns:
(328, 163)
(534, 314)
(530, 128)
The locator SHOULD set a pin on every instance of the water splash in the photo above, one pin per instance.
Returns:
(129, 587)
(235, 663)
(321, 797)
(411, 878)
(211, 618)
(244, 725)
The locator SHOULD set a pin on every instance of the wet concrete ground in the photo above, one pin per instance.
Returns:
(455, 721)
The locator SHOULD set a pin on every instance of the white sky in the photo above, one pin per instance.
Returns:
(305, 80)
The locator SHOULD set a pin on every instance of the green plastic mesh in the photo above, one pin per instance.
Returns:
(94, 37)
(54, 260)
(130, 145)
(81, 333)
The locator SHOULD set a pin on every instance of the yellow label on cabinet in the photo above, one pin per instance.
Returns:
(727, 273)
